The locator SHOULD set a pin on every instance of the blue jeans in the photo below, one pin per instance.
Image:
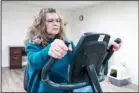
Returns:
(84, 89)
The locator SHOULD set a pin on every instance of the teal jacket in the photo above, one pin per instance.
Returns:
(37, 58)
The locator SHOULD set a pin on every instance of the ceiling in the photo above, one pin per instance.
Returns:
(67, 5)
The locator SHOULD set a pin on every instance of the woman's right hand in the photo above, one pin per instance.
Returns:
(58, 49)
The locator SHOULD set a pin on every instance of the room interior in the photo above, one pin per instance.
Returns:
(119, 19)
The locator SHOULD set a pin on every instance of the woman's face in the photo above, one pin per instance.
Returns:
(52, 23)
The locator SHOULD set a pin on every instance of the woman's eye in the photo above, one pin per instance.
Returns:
(50, 21)
(57, 20)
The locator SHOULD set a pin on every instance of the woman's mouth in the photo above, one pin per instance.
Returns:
(55, 28)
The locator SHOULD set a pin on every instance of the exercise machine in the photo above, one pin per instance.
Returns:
(86, 64)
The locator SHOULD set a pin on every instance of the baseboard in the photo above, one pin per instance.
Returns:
(23, 65)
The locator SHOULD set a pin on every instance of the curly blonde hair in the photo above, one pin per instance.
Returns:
(39, 30)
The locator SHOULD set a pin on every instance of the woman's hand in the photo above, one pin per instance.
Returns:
(58, 49)
(116, 46)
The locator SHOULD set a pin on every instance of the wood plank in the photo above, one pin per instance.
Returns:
(12, 81)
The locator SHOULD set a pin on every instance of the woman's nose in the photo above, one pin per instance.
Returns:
(55, 22)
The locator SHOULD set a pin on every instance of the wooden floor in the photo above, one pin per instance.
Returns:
(12, 81)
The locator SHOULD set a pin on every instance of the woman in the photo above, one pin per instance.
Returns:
(46, 39)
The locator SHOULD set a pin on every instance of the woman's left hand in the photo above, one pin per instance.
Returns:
(116, 46)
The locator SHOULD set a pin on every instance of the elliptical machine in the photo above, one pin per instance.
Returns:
(86, 65)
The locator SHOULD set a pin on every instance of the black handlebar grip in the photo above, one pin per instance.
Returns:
(118, 40)
(67, 42)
